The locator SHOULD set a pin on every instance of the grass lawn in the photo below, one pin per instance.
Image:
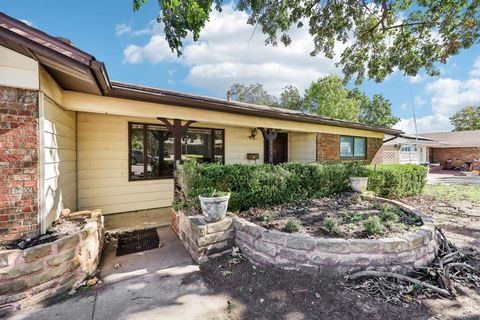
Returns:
(454, 193)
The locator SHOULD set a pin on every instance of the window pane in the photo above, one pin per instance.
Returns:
(346, 146)
(218, 145)
(136, 152)
(159, 152)
(197, 145)
(359, 147)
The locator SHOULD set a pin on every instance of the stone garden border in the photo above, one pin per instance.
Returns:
(41, 272)
(338, 256)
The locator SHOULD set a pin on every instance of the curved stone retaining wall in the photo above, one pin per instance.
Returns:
(41, 272)
(337, 256)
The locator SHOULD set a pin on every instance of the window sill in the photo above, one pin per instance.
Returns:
(149, 179)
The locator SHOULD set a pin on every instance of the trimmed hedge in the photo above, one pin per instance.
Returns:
(266, 185)
(396, 181)
(262, 185)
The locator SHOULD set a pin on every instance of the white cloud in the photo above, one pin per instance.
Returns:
(416, 79)
(229, 51)
(404, 106)
(450, 95)
(28, 22)
(155, 51)
(419, 101)
(126, 29)
(475, 72)
(430, 123)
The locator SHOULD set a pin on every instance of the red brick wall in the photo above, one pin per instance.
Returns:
(328, 148)
(374, 150)
(458, 155)
(19, 168)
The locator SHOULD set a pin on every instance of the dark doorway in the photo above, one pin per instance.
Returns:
(280, 149)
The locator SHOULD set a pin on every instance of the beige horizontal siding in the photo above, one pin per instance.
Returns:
(102, 168)
(302, 147)
(102, 164)
(59, 160)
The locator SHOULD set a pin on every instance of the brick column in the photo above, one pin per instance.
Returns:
(374, 150)
(19, 167)
(328, 147)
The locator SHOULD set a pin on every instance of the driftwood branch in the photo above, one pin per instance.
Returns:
(401, 277)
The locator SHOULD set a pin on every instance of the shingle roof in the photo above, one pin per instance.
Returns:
(77, 70)
(455, 138)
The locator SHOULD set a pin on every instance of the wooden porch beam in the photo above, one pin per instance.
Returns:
(178, 130)
(270, 135)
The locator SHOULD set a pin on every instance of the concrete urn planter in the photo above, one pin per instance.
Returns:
(359, 184)
(214, 208)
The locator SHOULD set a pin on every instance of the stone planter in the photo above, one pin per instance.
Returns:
(41, 272)
(336, 256)
(214, 208)
(359, 184)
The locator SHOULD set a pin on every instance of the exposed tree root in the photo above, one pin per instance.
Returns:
(448, 269)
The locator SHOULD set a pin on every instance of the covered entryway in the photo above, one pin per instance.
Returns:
(279, 149)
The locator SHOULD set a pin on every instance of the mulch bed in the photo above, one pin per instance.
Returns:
(349, 211)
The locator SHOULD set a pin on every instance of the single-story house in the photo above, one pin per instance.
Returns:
(72, 138)
(449, 149)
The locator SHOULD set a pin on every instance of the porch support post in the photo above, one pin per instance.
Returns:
(269, 135)
(178, 130)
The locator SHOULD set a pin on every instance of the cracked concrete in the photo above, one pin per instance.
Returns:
(161, 283)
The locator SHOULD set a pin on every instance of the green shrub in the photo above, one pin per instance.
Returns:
(358, 217)
(293, 225)
(396, 181)
(267, 185)
(388, 216)
(373, 226)
(262, 185)
(331, 225)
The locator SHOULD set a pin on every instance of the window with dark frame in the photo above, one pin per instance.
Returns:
(151, 149)
(353, 147)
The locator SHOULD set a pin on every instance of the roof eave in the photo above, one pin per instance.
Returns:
(133, 92)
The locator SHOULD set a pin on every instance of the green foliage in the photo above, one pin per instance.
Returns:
(377, 112)
(290, 98)
(358, 217)
(293, 225)
(329, 97)
(252, 93)
(212, 192)
(416, 218)
(267, 185)
(396, 181)
(373, 226)
(263, 185)
(467, 118)
(376, 37)
(388, 216)
(331, 225)
(454, 192)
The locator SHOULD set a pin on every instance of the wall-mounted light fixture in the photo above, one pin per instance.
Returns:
(253, 134)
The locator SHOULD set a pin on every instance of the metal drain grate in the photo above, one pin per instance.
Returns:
(137, 241)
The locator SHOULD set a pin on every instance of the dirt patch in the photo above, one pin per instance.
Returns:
(61, 226)
(346, 215)
(263, 293)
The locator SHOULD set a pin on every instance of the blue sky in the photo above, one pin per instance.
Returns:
(133, 48)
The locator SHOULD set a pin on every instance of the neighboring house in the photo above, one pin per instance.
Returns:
(71, 138)
(449, 149)
(405, 149)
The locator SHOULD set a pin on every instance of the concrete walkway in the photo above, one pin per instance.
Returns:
(452, 177)
(173, 293)
(162, 283)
